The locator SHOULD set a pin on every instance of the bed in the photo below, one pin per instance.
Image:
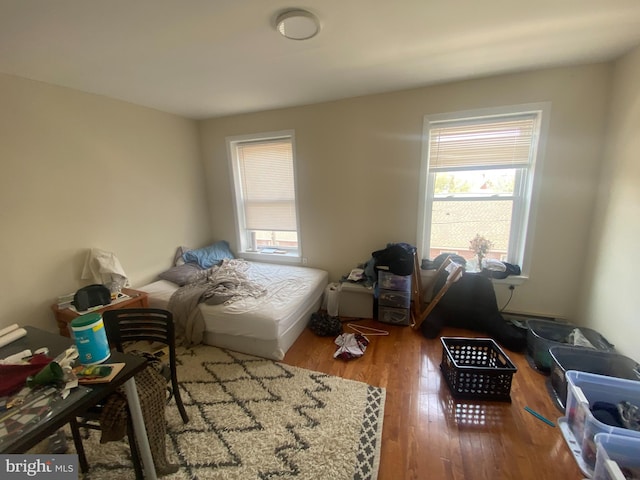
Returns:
(264, 324)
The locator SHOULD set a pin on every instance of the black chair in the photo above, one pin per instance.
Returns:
(130, 325)
(125, 327)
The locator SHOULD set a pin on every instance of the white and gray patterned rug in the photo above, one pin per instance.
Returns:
(252, 418)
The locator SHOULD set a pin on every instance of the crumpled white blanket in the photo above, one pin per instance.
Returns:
(229, 283)
(104, 267)
(350, 345)
(226, 283)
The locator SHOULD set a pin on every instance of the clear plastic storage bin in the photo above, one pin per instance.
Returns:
(579, 426)
(544, 334)
(395, 316)
(616, 457)
(390, 281)
(394, 298)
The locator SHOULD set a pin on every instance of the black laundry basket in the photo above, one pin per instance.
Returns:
(476, 369)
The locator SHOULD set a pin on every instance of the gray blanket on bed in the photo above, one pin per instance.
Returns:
(223, 284)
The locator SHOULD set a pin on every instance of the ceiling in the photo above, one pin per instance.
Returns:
(211, 58)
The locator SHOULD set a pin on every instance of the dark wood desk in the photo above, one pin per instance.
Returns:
(37, 338)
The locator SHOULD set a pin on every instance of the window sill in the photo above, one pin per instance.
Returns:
(292, 257)
(511, 280)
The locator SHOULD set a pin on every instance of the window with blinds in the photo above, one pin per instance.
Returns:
(479, 172)
(499, 143)
(265, 193)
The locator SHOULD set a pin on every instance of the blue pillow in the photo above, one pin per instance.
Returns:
(209, 256)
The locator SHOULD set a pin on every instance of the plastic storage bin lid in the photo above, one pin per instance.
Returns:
(356, 288)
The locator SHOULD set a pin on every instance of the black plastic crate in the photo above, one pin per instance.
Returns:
(476, 369)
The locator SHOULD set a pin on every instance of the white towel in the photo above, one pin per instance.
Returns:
(104, 267)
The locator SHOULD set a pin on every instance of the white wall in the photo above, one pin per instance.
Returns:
(359, 159)
(79, 171)
(611, 300)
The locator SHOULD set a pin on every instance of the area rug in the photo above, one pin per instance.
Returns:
(252, 418)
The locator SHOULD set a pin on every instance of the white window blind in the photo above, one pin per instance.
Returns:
(268, 188)
(478, 174)
(468, 145)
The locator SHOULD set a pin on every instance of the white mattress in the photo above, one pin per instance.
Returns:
(265, 326)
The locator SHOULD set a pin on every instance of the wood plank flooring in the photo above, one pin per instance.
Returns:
(429, 435)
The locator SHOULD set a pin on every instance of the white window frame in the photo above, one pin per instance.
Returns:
(293, 255)
(525, 191)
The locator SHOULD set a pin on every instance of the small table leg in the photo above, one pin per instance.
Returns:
(139, 428)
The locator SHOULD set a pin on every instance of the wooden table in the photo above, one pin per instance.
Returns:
(138, 299)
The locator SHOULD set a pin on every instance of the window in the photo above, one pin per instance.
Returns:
(263, 168)
(477, 178)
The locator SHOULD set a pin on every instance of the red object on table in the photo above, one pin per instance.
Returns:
(14, 377)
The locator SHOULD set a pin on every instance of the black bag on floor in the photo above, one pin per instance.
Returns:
(471, 303)
(323, 325)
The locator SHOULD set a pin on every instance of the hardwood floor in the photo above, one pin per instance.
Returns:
(429, 435)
